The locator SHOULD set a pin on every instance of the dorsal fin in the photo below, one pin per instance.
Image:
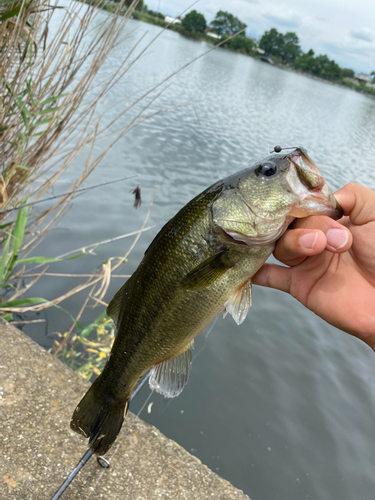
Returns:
(170, 377)
(114, 307)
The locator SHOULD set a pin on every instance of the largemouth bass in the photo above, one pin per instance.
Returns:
(200, 264)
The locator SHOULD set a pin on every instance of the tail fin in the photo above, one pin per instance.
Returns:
(98, 418)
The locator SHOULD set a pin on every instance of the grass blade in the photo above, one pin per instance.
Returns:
(19, 229)
(4, 257)
(22, 302)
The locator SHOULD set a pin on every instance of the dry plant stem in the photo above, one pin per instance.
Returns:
(63, 275)
(106, 277)
(94, 245)
(68, 333)
(103, 276)
(43, 75)
(51, 58)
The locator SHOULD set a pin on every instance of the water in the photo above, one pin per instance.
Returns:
(282, 406)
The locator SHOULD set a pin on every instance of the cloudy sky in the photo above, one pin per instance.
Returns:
(342, 29)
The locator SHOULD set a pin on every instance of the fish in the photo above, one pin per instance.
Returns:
(199, 265)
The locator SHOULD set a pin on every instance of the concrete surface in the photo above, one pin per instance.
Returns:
(38, 450)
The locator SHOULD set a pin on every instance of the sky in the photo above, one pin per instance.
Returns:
(342, 29)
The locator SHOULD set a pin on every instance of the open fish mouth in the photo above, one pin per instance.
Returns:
(311, 188)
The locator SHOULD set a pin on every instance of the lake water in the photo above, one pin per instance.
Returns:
(284, 405)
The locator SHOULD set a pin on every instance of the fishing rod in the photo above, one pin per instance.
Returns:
(103, 462)
(54, 196)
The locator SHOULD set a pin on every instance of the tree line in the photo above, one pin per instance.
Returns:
(284, 48)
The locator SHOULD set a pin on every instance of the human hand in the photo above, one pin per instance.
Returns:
(332, 264)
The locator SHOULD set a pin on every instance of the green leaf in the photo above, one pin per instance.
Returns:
(48, 110)
(23, 302)
(52, 99)
(8, 317)
(23, 166)
(19, 229)
(23, 137)
(4, 258)
(6, 2)
(88, 329)
(3, 226)
(46, 260)
(43, 122)
(25, 113)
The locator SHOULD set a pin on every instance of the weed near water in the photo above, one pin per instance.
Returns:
(86, 351)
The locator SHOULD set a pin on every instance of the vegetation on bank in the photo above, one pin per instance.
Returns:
(48, 99)
(284, 49)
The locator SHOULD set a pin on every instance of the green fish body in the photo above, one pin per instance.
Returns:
(200, 264)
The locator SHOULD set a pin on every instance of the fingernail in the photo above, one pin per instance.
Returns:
(337, 238)
(308, 240)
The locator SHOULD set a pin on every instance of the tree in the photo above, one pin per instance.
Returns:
(291, 47)
(239, 44)
(226, 23)
(347, 73)
(305, 62)
(194, 21)
(272, 42)
(373, 76)
(138, 7)
(320, 66)
(286, 47)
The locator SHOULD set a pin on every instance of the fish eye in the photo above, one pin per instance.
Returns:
(267, 169)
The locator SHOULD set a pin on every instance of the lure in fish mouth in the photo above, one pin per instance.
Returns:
(200, 264)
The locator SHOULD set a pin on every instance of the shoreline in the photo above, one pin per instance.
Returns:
(147, 18)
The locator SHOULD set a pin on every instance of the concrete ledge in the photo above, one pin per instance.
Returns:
(38, 450)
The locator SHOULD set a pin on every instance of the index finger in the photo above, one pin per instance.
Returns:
(358, 202)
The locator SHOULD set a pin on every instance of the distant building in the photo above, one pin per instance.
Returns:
(363, 78)
(171, 20)
(211, 33)
(261, 51)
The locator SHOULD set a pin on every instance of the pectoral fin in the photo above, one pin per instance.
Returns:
(208, 272)
(238, 305)
(170, 377)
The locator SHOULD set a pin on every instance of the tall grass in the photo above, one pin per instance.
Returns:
(44, 123)
(49, 92)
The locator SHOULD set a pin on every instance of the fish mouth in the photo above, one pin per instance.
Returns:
(311, 188)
